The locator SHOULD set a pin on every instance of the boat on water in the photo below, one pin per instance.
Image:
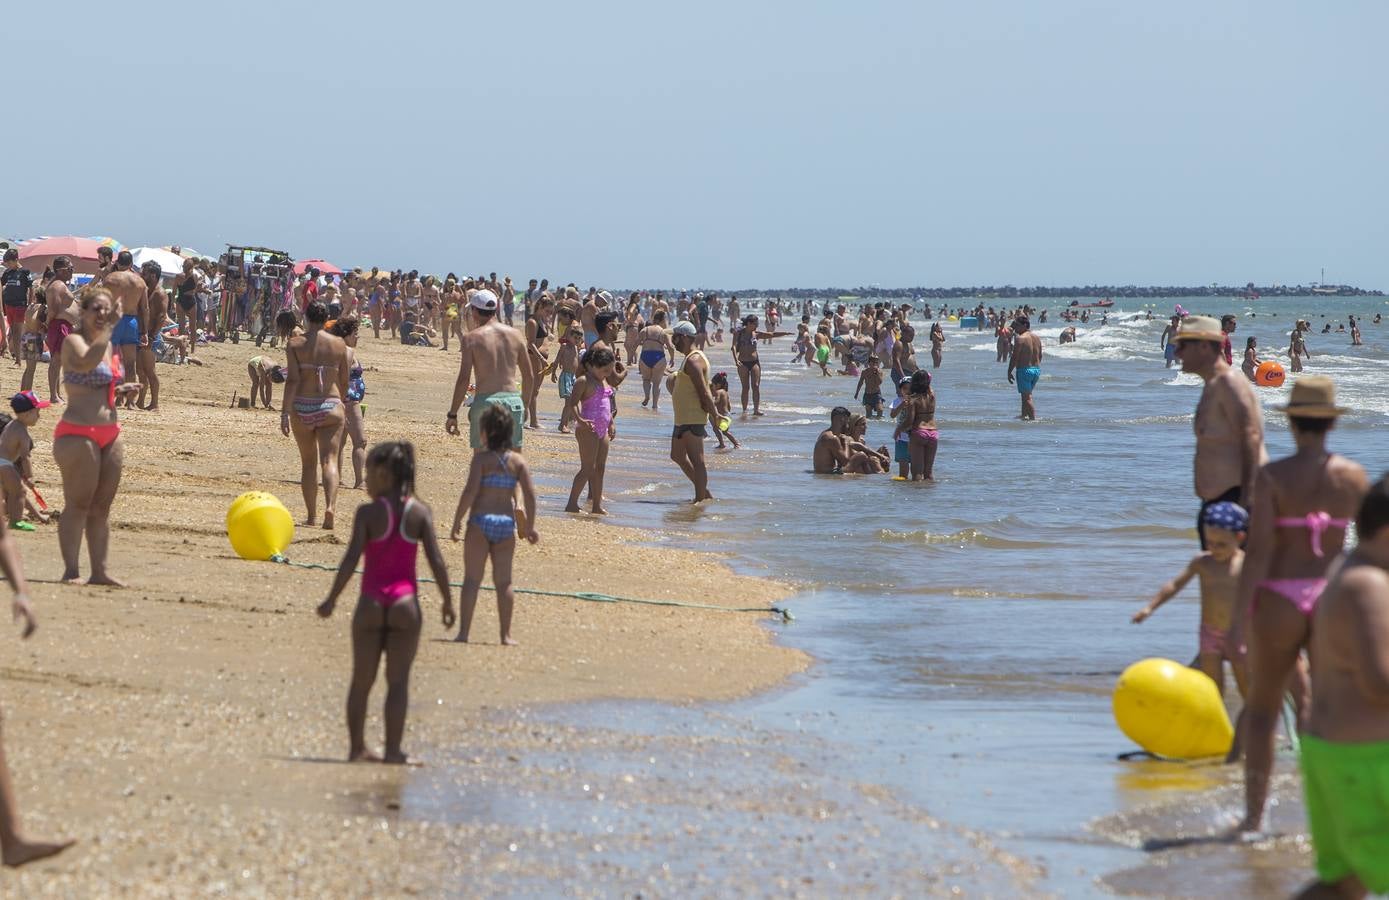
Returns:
(1321, 287)
(1105, 303)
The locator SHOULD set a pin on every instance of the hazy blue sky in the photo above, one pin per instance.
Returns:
(718, 143)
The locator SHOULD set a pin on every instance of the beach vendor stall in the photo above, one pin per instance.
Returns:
(259, 282)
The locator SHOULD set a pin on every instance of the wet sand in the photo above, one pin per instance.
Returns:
(188, 729)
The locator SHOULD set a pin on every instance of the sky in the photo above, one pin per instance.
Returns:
(717, 144)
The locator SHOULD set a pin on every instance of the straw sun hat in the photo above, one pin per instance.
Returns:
(1313, 397)
(1199, 328)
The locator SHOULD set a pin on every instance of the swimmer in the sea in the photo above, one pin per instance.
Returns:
(871, 384)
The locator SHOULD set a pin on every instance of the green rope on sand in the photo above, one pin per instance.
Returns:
(590, 596)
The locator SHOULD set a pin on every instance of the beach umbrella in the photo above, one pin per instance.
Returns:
(107, 241)
(170, 264)
(323, 266)
(37, 255)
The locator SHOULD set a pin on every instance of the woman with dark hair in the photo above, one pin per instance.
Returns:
(749, 366)
(1302, 507)
(87, 440)
(1251, 358)
(539, 327)
(317, 373)
(347, 328)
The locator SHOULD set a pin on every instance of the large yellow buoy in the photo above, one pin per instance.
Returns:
(1171, 710)
(259, 526)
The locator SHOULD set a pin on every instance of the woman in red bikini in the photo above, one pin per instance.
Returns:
(87, 440)
(1302, 507)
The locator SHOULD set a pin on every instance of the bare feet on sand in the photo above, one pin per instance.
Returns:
(363, 755)
(19, 852)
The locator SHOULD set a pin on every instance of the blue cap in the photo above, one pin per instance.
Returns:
(1226, 515)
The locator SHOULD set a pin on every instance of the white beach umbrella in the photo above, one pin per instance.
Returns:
(170, 264)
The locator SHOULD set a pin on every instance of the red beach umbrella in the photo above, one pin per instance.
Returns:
(322, 265)
(38, 255)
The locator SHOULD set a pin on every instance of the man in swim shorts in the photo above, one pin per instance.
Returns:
(1345, 748)
(129, 291)
(62, 318)
(1026, 363)
(1229, 420)
(496, 355)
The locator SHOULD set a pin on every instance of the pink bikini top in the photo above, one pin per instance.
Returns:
(1317, 523)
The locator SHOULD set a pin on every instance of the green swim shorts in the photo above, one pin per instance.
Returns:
(1347, 793)
(511, 401)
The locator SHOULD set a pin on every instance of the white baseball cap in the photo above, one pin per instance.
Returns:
(485, 300)
(685, 328)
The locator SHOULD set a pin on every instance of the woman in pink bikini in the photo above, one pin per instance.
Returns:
(388, 531)
(87, 440)
(1302, 507)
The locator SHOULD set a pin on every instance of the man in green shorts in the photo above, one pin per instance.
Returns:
(495, 355)
(1345, 749)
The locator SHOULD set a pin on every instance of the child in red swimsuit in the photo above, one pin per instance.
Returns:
(388, 531)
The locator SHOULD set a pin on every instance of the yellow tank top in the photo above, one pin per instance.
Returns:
(688, 411)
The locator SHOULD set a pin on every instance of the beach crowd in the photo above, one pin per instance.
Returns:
(1282, 606)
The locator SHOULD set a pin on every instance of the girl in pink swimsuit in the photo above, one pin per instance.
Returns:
(590, 402)
(388, 531)
(1302, 507)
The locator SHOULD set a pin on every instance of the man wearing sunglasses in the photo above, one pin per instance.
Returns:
(62, 318)
(1229, 421)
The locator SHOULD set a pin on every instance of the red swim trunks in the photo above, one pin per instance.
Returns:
(58, 330)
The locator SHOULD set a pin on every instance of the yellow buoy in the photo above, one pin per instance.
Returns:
(1171, 710)
(259, 526)
(954, 319)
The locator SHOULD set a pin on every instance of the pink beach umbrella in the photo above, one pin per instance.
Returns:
(322, 265)
(39, 254)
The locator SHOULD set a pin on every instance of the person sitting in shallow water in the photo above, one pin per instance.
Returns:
(832, 454)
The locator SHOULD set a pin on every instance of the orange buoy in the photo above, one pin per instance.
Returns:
(1269, 374)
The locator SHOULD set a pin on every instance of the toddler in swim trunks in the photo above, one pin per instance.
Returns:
(1218, 569)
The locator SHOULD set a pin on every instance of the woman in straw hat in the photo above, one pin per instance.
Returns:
(1302, 507)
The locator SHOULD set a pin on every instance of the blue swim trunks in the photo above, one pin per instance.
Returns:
(1027, 378)
(126, 332)
(902, 452)
(566, 384)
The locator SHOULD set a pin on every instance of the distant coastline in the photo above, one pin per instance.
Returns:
(1009, 292)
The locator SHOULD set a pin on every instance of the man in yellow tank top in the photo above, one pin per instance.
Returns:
(694, 404)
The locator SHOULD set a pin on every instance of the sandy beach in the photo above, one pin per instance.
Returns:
(188, 729)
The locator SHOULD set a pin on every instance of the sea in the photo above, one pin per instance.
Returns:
(967, 633)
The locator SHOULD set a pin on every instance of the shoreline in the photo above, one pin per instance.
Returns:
(187, 729)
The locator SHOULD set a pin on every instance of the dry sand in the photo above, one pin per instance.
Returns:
(165, 725)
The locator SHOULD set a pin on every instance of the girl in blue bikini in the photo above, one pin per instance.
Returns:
(490, 495)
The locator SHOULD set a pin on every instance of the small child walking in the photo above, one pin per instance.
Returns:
(566, 370)
(490, 495)
(590, 404)
(917, 421)
(1218, 569)
(723, 409)
(388, 531)
(902, 446)
(15, 469)
(870, 382)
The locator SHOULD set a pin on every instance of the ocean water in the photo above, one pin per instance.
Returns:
(968, 633)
